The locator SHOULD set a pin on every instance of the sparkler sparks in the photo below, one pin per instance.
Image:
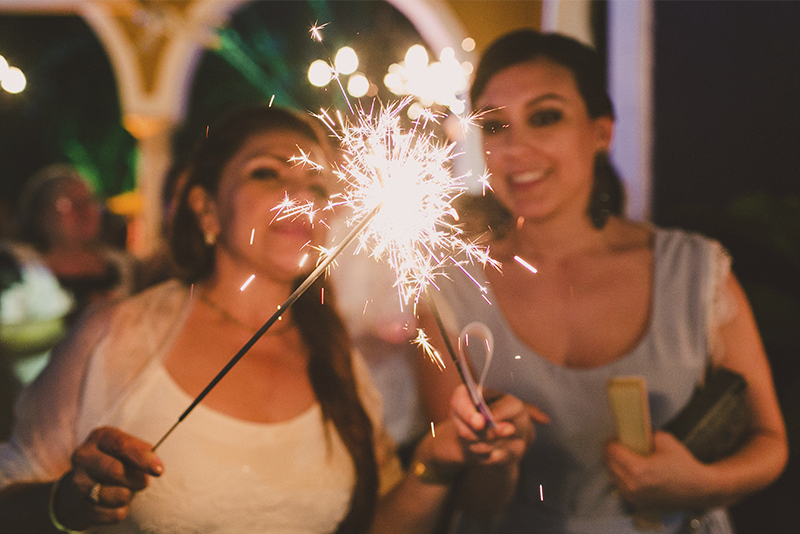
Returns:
(405, 175)
(316, 31)
(402, 178)
(247, 283)
(423, 342)
(525, 264)
(398, 188)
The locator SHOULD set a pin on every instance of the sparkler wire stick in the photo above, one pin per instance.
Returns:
(323, 265)
(477, 398)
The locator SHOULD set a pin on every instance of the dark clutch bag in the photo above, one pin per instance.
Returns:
(714, 422)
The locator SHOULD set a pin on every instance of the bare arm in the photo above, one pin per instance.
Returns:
(672, 477)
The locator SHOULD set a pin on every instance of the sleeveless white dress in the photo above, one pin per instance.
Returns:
(222, 475)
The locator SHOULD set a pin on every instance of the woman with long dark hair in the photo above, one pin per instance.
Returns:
(610, 297)
(290, 440)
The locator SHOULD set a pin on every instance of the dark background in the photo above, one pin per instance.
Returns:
(727, 163)
(726, 151)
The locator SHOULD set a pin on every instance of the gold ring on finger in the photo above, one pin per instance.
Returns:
(94, 493)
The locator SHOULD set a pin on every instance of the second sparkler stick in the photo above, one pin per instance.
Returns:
(463, 373)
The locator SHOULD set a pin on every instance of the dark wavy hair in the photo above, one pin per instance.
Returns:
(586, 66)
(330, 367)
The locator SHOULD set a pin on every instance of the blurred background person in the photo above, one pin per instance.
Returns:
(33, 312)
(64, 266)
(60, 218)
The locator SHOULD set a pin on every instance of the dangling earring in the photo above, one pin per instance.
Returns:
(600, 202)
(210, 238)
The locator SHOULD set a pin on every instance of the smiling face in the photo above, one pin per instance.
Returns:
(539, 140)
(254, 181)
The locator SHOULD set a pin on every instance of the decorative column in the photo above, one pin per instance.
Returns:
(154, 47)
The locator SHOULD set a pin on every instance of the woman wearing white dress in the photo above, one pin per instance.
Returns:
(290, 441)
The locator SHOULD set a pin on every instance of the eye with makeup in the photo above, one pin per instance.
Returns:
(545, 117)
(265, 172)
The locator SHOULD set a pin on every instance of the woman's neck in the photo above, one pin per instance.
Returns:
(552, 239)
(556, 242)
(244, 293)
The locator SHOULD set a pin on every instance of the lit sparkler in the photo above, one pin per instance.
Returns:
(402, 177)
(399, 188)
(407, 173)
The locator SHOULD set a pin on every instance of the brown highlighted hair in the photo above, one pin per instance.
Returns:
(330, 367)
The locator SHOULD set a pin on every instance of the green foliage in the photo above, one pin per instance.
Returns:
(70, 110)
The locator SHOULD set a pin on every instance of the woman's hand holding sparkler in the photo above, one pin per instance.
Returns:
(504, 443)
(108, 469)
(465, 455)
(492, 454)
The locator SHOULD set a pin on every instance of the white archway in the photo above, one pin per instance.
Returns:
(154, 48)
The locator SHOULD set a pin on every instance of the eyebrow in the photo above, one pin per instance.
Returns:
(268, 156)
(545, 97)
(493, 110)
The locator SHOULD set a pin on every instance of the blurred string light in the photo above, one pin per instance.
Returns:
(439, 82)
(358, 85)
(11, 78)
(346, 61)
(321, 73)
(429, 83)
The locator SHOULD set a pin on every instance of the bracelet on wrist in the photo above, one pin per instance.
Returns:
(51, 508)
(428, 475)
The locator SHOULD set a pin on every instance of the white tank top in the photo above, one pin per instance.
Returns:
(225, 475)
